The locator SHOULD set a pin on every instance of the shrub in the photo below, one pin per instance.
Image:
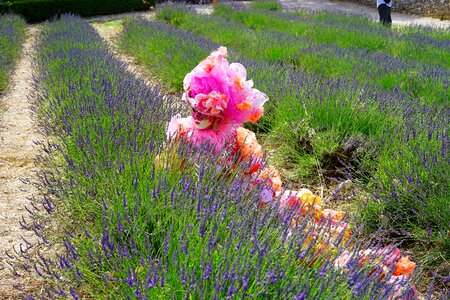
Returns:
(40, 10)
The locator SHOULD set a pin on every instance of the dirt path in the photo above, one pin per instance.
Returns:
(357, 9)
(110, 32)
(17, 153)
(110, 29)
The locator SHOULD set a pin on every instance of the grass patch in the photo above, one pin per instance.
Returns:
(266, 4)
(367, 51)
(12, 35)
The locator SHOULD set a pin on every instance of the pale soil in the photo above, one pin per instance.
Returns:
(18, 132)
(110, 30)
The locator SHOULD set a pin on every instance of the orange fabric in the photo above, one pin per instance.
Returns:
(256, 115)
(270, 173)
(246, 105)
(404, 266)
(247, 144)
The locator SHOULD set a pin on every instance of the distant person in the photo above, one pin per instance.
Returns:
(384, 9)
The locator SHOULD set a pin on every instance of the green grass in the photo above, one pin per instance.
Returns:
(12, 35)
(292, 103)
(345, 31)
(161, 52)
(266, 4)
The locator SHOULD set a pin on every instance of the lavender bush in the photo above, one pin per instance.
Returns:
(295, 94)
(167, 62)
(348, 31)
(141, 219)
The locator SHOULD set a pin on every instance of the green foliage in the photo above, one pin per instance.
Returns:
(306, 126)
(163, 53)
(40, 10)
(326, 36)
(338, 116)
(266, 4)
(412, 191)
(167, 206)
(12, 35)
(309, 139)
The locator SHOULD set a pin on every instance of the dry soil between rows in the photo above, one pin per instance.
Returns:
(18, 134)
(111, 32)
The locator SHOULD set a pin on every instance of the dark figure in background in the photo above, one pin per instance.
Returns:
(384, 9)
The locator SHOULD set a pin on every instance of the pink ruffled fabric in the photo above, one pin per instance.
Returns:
(222, 99)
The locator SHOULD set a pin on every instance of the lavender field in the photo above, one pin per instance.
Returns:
(357, 113)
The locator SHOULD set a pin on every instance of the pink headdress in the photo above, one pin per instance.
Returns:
(222, 99)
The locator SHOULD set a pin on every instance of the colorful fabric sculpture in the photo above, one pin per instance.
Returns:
(222, 100)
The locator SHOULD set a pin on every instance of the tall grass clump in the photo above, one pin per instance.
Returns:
(143, 219)
(12, 35)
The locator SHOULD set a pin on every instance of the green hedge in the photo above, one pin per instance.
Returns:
(40, 10)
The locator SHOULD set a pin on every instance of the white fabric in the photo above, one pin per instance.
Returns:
(379, 2)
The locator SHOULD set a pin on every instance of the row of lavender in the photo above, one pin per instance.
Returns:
(347, 30)
(12, 34)
(141, 220)
(338, 51)
(406, 171)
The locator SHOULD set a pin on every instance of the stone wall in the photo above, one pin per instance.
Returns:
(434, 8)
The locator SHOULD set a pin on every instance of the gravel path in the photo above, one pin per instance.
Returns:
(371, 12)
(17, 166)
(111, 33)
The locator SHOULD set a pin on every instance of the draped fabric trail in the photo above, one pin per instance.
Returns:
(222, 99)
